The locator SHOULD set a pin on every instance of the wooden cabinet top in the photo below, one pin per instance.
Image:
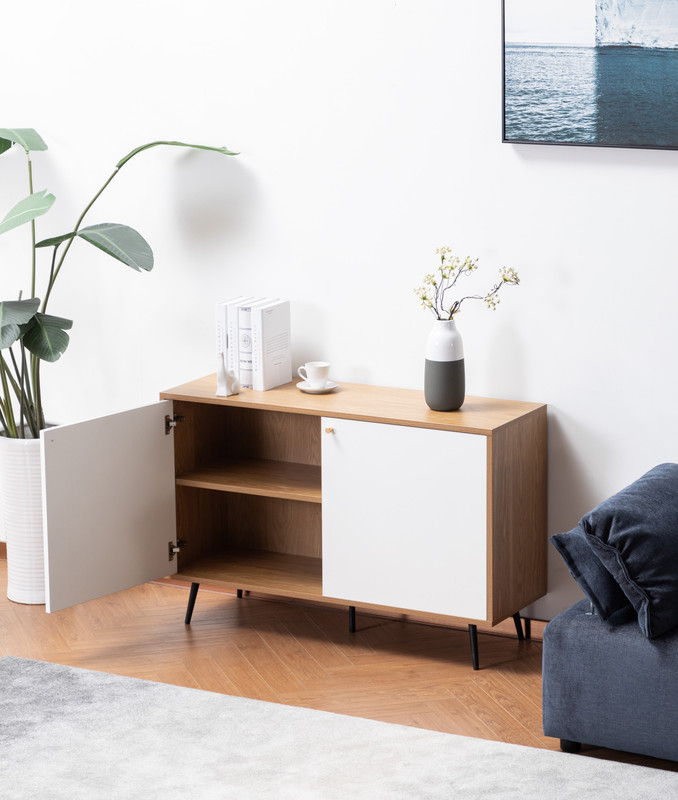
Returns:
(481, 415)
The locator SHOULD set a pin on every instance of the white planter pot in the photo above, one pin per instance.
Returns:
(21, 509)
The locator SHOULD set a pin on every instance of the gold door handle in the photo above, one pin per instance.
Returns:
(329, 430)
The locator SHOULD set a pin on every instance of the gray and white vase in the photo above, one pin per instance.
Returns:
(444, 377)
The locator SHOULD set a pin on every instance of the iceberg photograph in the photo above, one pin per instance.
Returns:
(591, 72)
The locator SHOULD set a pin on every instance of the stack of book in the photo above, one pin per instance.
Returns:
(253, 341)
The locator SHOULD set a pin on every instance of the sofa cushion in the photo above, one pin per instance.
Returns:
(635, 535)
(593, 578)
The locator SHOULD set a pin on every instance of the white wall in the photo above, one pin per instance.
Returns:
(370, 134)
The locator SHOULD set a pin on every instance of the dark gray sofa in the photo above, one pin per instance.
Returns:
(610, 686)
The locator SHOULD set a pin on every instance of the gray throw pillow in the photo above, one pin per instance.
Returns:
(610, 603)
(635, 536)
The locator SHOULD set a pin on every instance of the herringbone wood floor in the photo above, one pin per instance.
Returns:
(399, 672)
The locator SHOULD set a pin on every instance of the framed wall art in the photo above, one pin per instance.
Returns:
(591, 72)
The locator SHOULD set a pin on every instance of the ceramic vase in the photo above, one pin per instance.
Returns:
(444, 377)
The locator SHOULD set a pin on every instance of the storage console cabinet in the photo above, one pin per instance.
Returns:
(363, 497)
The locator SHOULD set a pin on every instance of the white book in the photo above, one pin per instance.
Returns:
(271, 351)
(245, 339)
(232, 353)
(223, 343)
(221, 323)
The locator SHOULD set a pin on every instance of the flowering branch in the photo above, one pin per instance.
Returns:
(432, 292)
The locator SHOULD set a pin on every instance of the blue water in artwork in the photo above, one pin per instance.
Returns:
(592, 95)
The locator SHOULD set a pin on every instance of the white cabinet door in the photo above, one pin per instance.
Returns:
(404, 517)
(108, 504)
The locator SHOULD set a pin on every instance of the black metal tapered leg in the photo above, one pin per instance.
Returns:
(191, 602)
(519, 627)
(351, 619)
(473, 636)
(239, 593)
(528, 628)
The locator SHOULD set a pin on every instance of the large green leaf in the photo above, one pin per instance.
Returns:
(18, 312)
(136, 150)
(13, 314)
(46, 336)
(121, 242)
(5, 144)
(29, 208)
(54, 240)
(28, 138)
(8, 335)
(59, 322)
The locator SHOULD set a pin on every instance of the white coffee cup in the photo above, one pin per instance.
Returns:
(315, 373)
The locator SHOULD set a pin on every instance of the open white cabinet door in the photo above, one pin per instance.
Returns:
(108, 504)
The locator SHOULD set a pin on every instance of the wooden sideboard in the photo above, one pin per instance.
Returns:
(363, 497)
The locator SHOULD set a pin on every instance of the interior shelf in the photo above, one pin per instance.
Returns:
(281, 479)
(259, 571)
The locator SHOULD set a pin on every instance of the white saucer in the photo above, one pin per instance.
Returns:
(330, 386)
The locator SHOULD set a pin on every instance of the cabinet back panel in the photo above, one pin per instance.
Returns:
(279, 526)
(210, 522)
(198, 437)
(209, 434)
(272, 435)
(201, 523)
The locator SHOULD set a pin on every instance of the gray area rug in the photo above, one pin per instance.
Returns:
(72, 733)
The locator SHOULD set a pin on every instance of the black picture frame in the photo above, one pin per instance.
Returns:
(505, 140)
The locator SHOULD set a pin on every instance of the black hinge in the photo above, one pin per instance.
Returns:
(171, 422)
(174, 547)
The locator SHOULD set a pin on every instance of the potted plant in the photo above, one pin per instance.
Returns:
(30, 335)
(444, 376)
